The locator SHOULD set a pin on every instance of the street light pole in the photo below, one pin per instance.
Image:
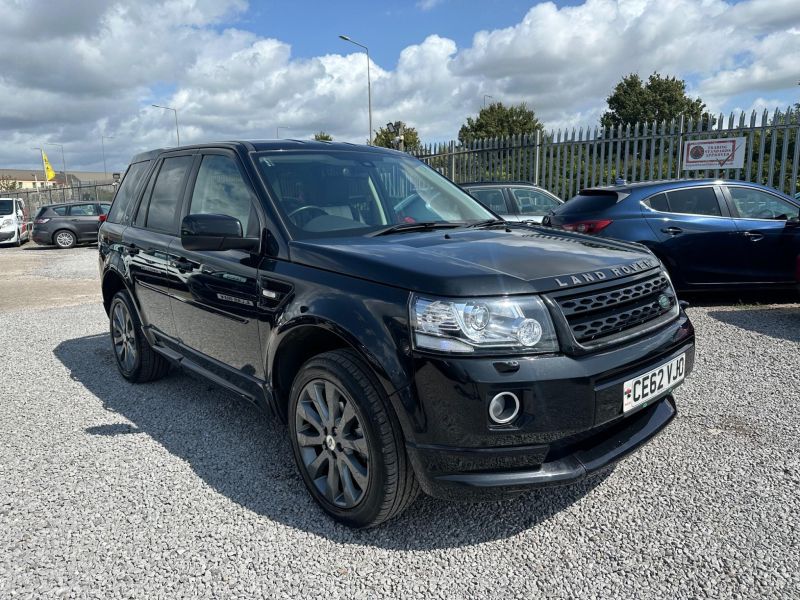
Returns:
(103, 138)
(177, 131)
(485, 96)
(44, 169)
(369, 84)
(63, 162)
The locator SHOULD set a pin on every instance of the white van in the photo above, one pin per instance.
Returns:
(15, 224)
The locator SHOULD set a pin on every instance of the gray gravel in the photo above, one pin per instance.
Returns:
(177, 489)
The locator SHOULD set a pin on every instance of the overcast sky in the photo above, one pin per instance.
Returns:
(73, 71)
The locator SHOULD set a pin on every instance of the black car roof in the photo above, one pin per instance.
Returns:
(270, 145)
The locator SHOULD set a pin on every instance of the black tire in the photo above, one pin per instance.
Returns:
(391, 486)
(145, 364)
(18, 243)
(64, 238)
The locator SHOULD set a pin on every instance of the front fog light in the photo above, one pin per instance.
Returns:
(504, 408)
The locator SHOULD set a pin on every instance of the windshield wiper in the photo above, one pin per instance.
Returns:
(488, 223)
(421, 226)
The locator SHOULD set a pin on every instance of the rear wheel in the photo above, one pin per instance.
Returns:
(18, 242)
(136, 359)
(64, 238)
(348, 448)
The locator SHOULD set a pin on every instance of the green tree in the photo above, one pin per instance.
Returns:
(658, 99)
(498, 120)
(385, 138)
(321, 136)
(8, 185)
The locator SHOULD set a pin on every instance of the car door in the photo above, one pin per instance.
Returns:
(23, 220)
(146, 243)
(532, 204)
(216, 303)
(769, 236)
(494, 198)
(83, 220)
(695, 235)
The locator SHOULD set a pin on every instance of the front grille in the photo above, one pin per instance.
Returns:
(603, 316)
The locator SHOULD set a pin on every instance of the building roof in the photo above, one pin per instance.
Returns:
(38, 175)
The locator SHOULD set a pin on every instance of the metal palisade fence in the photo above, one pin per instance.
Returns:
(566, 162)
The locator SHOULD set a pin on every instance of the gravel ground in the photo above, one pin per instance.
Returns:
(177, 489)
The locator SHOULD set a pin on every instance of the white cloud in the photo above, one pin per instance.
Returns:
(428, 4)
(95, 69)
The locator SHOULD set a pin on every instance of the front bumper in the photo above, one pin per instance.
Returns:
(571, 422)
(8, 235)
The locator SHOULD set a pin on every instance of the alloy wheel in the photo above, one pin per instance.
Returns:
(124, 336)
(65, 239)
(332, 443)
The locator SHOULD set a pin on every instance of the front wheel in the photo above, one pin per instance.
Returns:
(64, 239)
(348, 447)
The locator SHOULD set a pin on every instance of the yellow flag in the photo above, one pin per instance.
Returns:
(48, 169)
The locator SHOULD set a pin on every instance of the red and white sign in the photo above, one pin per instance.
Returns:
(723, 153)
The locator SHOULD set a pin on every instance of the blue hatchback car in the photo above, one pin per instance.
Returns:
(710, 234)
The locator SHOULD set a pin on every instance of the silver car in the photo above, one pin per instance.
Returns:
(514, 201)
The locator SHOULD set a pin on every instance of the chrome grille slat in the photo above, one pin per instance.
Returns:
(603, 316)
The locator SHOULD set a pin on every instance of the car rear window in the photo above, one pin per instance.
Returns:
(588, 201)
(126, 194)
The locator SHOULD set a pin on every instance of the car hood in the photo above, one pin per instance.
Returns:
(482, 262)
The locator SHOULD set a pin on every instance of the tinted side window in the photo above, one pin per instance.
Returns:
(658, 202)
(166, 194)
(220, 190)
(493, 199)
(532, 202)
(696, 201)
(59, 210)
(589, 201)
(83, 210)
(755, 204)
(126, 193)
(104, 208)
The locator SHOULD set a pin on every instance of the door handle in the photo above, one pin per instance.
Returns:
(672, 230)
(753, 237)
(182, 265)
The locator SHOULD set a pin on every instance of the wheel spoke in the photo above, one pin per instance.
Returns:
(332, 399)
(320, 404)
(310, 439)
(309, 414)
(332, 482)
(359, 444)
(358, 471)
(348, 415)
(315, 466)
(351, 494)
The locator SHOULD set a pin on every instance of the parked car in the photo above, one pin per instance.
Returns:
(514, 200)
(407, 337)
(710, 234)
(15, 225)
(65, 225)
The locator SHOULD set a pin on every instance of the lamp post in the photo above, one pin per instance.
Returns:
(485, 96)
(103, 139)
(369, 84)
(44, 169)
(63, 162)
(177, 132)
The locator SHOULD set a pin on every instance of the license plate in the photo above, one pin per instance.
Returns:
(643, 388)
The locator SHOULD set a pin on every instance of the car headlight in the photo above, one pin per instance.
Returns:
(517, 324)
(7, 223)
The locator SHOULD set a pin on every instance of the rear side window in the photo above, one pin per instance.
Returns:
(694, 201)
(166, 194)
(588, 201)
(493, 199)
(532, 202)
(59, 210)
(83, 210)
(658, 202)
(126, 194)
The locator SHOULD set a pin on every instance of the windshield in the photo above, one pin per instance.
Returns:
(339, 193)
(6, 207)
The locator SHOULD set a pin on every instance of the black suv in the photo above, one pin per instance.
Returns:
(407, 336)
(65, 225)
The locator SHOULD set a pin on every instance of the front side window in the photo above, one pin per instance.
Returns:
(694, 201)
(83, 210)
(221, 190)
(756, 204)
(166, 194)
(491, 198)
(532, 202)
(338, 193)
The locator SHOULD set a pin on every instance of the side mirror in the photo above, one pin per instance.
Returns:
(793, 222)
(215, 232)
